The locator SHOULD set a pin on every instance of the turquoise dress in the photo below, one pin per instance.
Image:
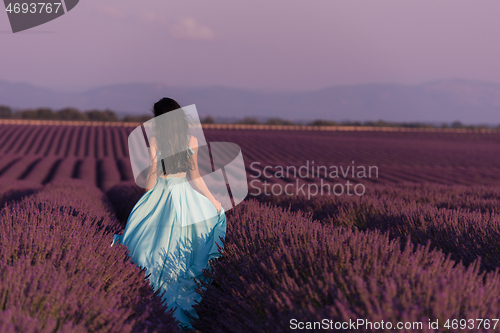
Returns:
(173, 231)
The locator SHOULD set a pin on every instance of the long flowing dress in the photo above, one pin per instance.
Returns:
(173, 251)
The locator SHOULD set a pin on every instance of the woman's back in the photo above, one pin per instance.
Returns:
(167, 164)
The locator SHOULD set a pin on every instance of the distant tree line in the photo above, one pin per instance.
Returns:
(379, 123)
(69, 113)
(108, 115)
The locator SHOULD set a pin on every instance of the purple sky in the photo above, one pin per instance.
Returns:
(265, 45)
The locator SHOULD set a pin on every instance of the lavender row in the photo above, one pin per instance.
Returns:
(446, 158)
(462, 221)
(63, 141)
(281, 267)
(100, 154)
(14, 190)
(58, 268)
(104, 173)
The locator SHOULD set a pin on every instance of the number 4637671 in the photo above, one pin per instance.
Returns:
(33, 7)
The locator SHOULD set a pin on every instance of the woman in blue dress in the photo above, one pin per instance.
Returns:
(173, 229)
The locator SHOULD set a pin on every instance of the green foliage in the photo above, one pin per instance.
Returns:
(67, 113)
(137, 119)
(71, 114)
(321, 122)
(208, 120)
(5, 112)
(40, 113)
(98, 115)
(249, 121)
(279, 121)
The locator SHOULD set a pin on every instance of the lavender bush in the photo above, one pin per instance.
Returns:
(12, 321)
(461, 221)
(14, 190)
(57, 264)
(123, 197)
(279, 265)
(398, 253)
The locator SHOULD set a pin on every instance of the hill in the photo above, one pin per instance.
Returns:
(471, 102)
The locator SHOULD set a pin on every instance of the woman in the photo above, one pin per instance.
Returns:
(173, 229)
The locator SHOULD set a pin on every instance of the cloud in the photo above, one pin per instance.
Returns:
(113, 12)
(151, 18)
(189, 28)
(143, 18)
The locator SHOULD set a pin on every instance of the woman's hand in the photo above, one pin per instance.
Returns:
(217, 205)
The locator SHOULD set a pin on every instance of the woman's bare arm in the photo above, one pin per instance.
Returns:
(197, 180)
(153, 158)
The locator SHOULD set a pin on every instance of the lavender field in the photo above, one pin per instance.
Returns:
(421, 244)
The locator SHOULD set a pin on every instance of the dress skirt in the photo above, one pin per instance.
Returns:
(173, 231)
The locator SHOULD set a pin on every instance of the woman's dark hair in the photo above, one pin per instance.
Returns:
(171, 134)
